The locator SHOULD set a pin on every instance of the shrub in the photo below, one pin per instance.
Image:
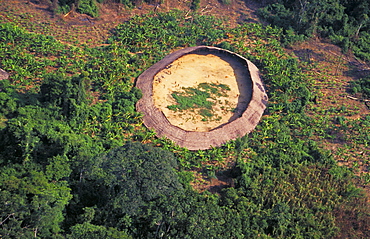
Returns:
(88, 7)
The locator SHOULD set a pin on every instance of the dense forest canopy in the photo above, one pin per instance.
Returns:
(76, 161)
(345, 22)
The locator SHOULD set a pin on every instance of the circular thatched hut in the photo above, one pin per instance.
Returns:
(239, 126)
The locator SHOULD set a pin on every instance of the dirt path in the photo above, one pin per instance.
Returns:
(193, 69)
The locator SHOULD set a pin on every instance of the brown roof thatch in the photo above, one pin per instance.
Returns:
(3, 74)
(155, 119)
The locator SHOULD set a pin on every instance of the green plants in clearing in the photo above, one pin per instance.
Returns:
(197, 98)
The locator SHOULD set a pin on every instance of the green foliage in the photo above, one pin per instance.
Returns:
(65, 173)
(277, 14)
(123, 182)
(156, 35)
(195, 4)
(64, 92)
(196, 98)
(226, 45)
(361, 47)
(345, 22)
(8, 99)
(32, 205)
(91, 231)
(191, 98)
(27, 60)
(362, 86)
(287, 203)
(88, 7)
(226, 2)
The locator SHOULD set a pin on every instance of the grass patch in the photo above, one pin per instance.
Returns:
(201, 98)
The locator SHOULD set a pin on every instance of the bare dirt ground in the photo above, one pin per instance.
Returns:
(193, 69)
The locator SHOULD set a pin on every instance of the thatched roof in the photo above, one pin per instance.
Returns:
(155, 119)
(3, 74)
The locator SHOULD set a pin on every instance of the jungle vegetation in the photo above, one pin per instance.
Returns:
(77, 162)
(344, 22)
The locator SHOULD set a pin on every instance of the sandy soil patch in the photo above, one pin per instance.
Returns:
(192, 69)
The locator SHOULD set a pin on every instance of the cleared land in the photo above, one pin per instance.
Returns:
(193, 69)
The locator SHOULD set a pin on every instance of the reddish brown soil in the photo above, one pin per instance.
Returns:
(78, 28)
(332, 73)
